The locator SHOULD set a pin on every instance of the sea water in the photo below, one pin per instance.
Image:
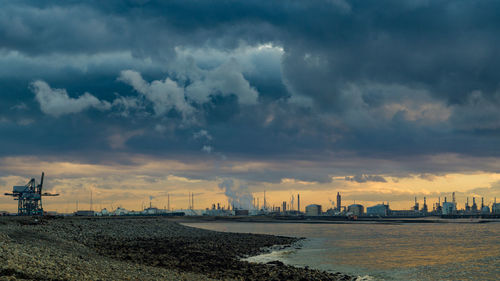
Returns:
(415, 251)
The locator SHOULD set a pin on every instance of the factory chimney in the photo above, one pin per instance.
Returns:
(298, 202)
(264, 199)
(453, 196)
(482, 203)
(415, 208)
(339, 201)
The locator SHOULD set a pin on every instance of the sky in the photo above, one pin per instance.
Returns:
(135, 100)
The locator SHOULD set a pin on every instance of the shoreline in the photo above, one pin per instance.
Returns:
(327, 220)
(149, 248)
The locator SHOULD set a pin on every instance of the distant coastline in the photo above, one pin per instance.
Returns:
(330, 220)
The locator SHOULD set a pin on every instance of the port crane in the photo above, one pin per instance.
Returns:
(29, 197)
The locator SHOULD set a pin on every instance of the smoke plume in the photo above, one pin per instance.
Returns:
(239, 197)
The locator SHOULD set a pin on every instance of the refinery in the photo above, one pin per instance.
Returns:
(30, 196)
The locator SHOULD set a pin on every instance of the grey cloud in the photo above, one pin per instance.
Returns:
(56, 102)
(168, 94)
(225, 80)
(429, 177)
(365, 178)
(207, 149)
(165, 95)
(479, 112)
(202, 134)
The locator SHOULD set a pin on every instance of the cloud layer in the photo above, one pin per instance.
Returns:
(361, 88)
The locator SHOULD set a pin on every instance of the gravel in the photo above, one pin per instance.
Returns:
(136, 248)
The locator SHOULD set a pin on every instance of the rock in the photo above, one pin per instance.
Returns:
(278, 263)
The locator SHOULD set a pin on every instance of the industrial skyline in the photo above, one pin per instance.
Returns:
(29, 197)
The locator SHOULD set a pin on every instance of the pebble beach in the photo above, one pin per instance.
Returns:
(134, 248)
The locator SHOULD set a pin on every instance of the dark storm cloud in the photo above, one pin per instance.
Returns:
(389, 80)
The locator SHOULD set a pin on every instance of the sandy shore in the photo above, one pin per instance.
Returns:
(136, 249)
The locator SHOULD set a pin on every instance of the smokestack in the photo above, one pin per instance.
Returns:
(482, 202)
(264, 199)
(298, 202)
(168, 202)
(339, 201)
(453, 196)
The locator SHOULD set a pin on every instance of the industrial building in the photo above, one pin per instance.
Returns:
(313, 210)
(495, 208)
(238, 212)
(84, 213)
(485, 210)
(449, 208)
(378, 210)
(356, 209)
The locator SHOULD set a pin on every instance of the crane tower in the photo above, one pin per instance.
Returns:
(29, 197)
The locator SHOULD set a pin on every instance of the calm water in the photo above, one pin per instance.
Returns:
(454, 251)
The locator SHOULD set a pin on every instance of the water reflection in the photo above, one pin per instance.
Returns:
(409, 251)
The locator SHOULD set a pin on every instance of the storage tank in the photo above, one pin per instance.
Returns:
(313, 210)
(356, 209)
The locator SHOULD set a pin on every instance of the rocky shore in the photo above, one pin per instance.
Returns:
(149, 248)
